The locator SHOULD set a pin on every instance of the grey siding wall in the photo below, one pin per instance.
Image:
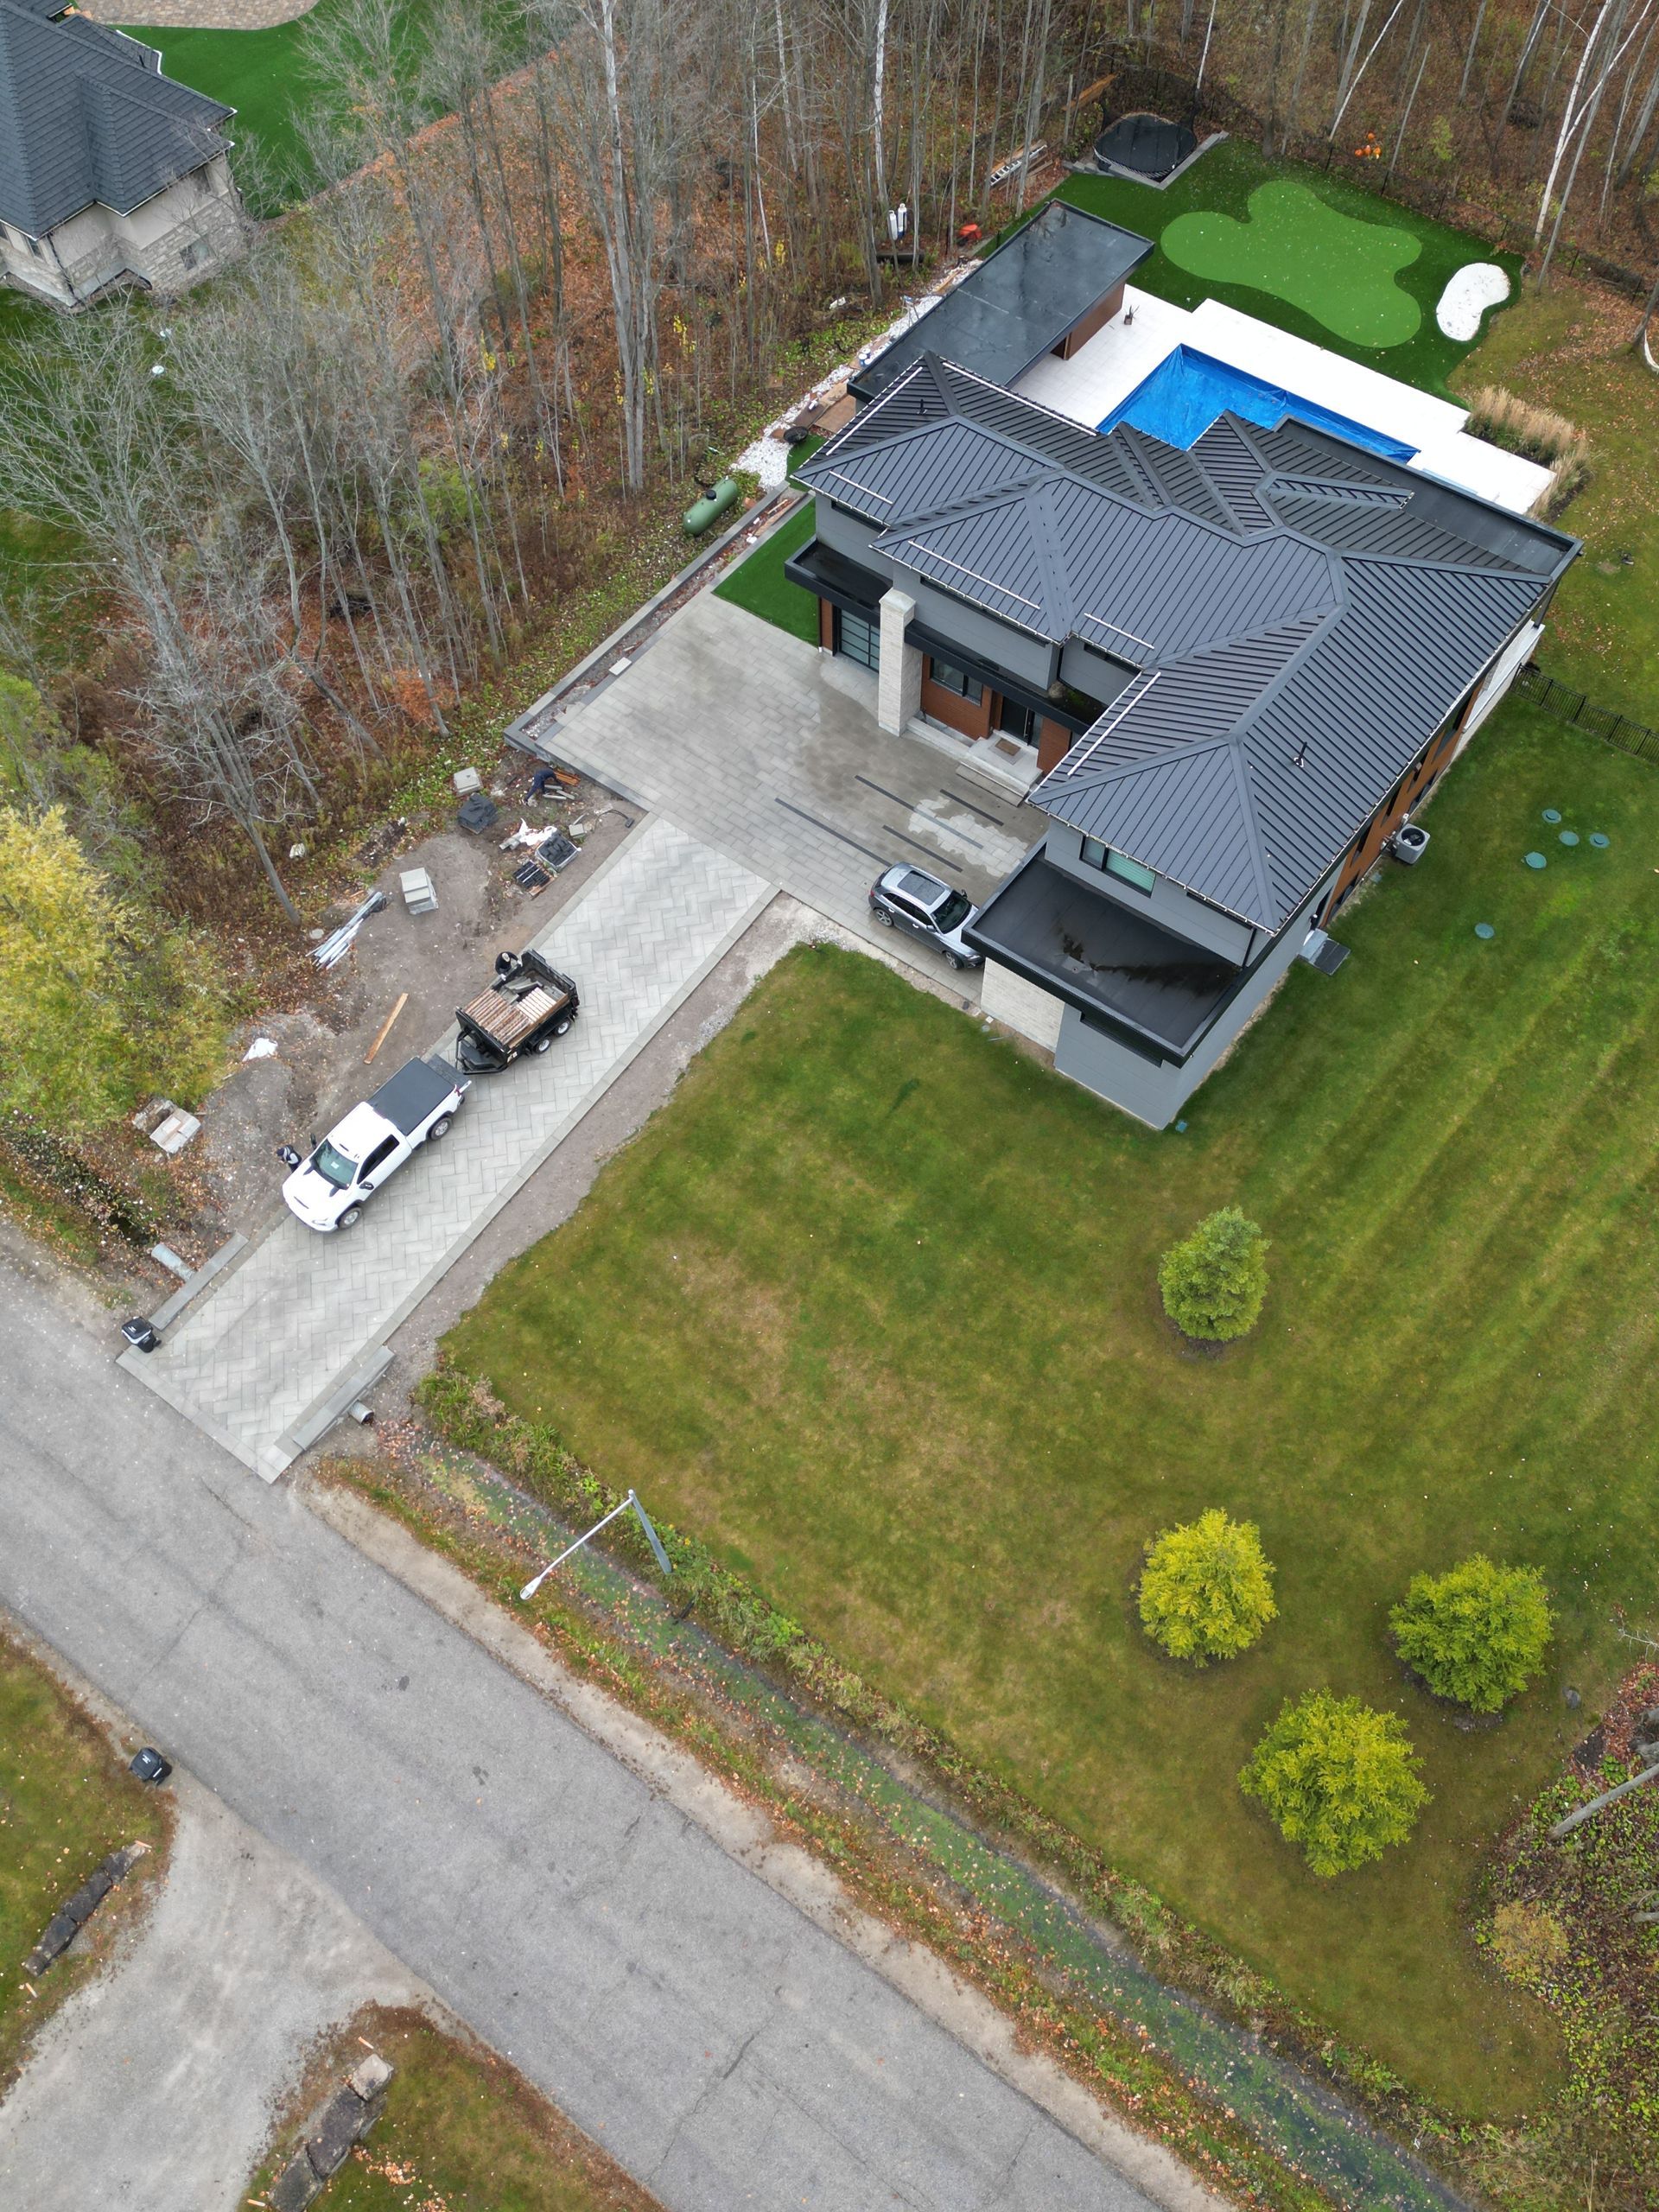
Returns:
(1028, 659)
(1092, 672)
(1156, 1092)
(1166, 903)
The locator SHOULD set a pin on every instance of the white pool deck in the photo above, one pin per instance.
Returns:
(1126, 351)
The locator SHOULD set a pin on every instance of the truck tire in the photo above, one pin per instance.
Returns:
(561, 1028)
(439, 1127)
(351, 1214)
(543, 1042)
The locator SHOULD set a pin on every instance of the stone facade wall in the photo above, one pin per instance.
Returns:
(181, 235)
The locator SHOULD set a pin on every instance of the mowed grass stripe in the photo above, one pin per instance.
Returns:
(872, 1307)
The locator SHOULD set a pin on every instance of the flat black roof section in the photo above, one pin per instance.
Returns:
(1104, 957)
(1019, 303)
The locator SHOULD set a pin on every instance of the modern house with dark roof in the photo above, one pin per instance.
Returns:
(1224, 677)
(110, 173)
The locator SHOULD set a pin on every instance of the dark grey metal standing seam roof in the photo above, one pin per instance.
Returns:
(1021, 300)
(86, 119)
(1304, 614)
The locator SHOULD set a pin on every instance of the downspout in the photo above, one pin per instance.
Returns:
(75, 299)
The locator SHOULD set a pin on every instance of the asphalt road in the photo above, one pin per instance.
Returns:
(725, 2048)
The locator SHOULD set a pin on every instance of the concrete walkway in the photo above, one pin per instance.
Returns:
(261, 1360)
(755, 742)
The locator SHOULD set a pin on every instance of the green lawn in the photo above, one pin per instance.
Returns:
(462, 2132)
(759, 583)
(1284, 243)
(1569, 350)
(66, 1802)
(871, 1307)
(28, 548)
(262, 74)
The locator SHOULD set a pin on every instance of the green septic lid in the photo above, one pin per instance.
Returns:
(1484, 929)
(1598, 841)
(1569, 837)
(1537, 860)
(1552, 814)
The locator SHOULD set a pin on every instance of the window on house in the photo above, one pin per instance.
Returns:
(193, 254)
(859, 640)
(33, 246)
(958, 681)
(1099, 855)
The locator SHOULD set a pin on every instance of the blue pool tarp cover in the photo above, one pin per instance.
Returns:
(1188, 390)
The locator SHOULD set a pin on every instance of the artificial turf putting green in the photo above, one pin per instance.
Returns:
(1297, 246)
(1224, 182)
(871, 1307)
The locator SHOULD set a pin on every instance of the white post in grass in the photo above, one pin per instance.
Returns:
(651, 1538)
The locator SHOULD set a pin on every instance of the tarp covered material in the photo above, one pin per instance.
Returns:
(1187, 391)
(1149, 144)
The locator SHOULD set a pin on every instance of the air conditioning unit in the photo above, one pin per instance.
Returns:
(1408, 844)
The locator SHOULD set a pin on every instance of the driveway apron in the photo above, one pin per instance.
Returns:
(263, 1356)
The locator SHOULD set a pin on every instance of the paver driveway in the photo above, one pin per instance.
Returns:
(299, 1318)
(752, 740)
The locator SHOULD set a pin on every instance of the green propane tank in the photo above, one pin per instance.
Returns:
(712, 505)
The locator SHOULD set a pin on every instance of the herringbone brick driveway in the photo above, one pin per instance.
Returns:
(300, 1314)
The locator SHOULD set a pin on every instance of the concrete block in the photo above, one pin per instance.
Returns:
(372, 2077)
(345, 2117)
(296, 2187)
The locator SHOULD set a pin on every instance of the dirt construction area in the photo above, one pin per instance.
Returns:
(440, 959)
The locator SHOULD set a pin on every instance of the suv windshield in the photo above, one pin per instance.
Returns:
(953, 914)
(333, 1166)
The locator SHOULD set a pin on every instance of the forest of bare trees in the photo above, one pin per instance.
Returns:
(550, 264)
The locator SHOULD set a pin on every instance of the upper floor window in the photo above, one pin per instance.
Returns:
(1118, 864)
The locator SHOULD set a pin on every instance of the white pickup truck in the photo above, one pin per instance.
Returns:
(414, 1107)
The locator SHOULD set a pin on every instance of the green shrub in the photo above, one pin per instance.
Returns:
(1477, 1635)
(1213, 1281)
(1206, 1592)
(1338, 1779)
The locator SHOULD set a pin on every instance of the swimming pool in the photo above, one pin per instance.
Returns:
(1187, 390)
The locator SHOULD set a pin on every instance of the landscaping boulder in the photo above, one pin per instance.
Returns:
(295, 2187)
(371, 2077)
(345, 2117)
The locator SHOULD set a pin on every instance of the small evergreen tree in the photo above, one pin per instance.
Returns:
(1477, 1634)
(1213, 1281)
(1338, 1779)
(1206, 1592)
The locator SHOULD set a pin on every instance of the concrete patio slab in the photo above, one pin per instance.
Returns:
(769, 751)
(261, 1356)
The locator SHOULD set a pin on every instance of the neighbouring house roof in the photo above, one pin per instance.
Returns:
(1020, 300)
(87, 118)
(1297, 616)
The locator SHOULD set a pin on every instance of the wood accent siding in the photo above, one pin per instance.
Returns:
(827, 625)
(1054, 741)
(1091, 326)
(951, 707)
(1408, 794)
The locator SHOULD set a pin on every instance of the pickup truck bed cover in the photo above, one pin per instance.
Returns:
(417, 1088)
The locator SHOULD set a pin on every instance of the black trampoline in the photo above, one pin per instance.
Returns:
(1150, 145)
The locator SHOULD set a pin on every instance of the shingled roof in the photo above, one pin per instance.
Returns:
(1298, 616)
(87, 118)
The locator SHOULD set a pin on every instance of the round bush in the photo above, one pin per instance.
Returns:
(1477, 1635)
(1213, 1281)
(1206, 1592)
(1338, 1779)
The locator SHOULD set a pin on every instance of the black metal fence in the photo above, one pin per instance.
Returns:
(1569, 706)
